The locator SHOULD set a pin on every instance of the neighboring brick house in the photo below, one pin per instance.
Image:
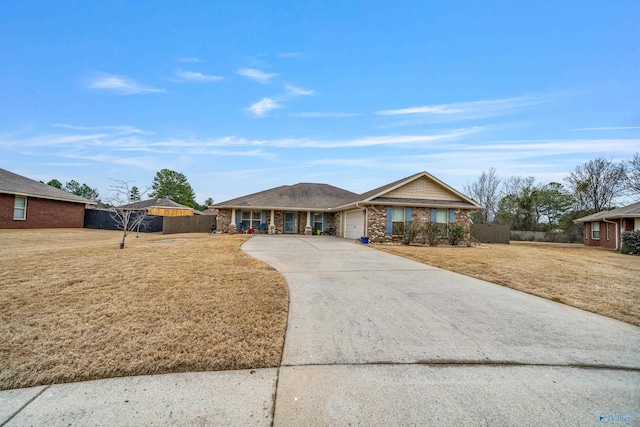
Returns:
(605, 228)
(379, 214)
(25, 203)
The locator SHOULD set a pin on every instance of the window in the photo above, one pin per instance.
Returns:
(251, 219)
(397, 219)
(595, 230)
(20, 208)
(442, 220)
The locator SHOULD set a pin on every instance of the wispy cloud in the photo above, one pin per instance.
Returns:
(263, 106)
(189, 59)
(194, 76)
(322, 115)
(610, 128)
(121, 84)
(471, 110)
(289, 54)
(292, 90)
(256, 75)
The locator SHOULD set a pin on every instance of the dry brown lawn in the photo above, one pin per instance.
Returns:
(75, 307)
(593, 279)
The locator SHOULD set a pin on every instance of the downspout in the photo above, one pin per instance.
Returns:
(616, 228)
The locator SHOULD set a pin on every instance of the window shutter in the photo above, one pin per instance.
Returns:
(238, 217)
(433, 215)
(452, 215)
(264, 217)
(389, 221)
(407, 214)
(325, 219)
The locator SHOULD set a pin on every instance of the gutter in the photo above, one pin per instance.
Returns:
(616, 228)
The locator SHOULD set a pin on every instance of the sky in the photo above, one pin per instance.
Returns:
(245, 96)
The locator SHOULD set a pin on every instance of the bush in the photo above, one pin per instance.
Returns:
(630, 243)
(457, 234)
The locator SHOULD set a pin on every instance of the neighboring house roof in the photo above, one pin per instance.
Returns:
(210, 211)
(327, 197)
(298, 196)
(154, 203)
(11, 183)
(629, 211)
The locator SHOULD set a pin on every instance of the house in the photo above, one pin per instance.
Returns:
(605, 228)
(379, 214)
(160, 207)
(25, 203)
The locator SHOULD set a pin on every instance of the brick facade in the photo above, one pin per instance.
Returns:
(606, 240)
(42, 213)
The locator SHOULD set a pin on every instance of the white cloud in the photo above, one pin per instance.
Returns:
(610, 128)
(289, 54)
(189, 59)
(471, 110)
(298, 91)
(121, 84)
(257, 75)
(194, 76)
(322, 115)
(263, 106)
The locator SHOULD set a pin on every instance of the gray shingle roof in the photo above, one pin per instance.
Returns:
(12, 183)
(303, 196)
(629, 211)
(150, 203)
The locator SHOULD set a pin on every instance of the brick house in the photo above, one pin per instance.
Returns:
(25, 203)
(605, 228)
(379, 214)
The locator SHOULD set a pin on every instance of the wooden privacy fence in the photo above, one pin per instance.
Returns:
(103, 219)
(188, 224)
(490, 233)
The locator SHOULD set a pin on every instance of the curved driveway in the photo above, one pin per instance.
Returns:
(375, 338)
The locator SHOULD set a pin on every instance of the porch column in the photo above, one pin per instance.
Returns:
(308, 229)
(272, 224)
(233, 228)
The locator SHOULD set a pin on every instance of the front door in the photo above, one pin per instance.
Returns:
(289, 222)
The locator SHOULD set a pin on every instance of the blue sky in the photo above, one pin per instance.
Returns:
(244, 96)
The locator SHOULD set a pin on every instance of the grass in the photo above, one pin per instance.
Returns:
(75, 307)
(593, 279)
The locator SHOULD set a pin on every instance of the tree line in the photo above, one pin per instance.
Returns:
(166, 184)
(523, 204)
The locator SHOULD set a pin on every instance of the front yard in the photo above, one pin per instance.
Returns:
(75, 307)
(593, 279)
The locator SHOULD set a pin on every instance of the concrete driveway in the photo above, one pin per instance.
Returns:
(374, 338)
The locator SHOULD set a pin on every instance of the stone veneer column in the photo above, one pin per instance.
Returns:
(232, 226)
(272, 224)
(308, 229)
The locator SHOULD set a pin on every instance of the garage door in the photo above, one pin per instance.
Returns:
(354, 225)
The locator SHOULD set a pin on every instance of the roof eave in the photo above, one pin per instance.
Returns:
(40, 196)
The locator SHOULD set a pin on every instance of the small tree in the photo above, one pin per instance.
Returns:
(127, 220)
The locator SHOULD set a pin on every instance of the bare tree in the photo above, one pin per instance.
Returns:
(127, 220)
(485, 191)
(633, 176)
(597, 183)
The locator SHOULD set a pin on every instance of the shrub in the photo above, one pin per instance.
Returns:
(457, 234)
(630, 243)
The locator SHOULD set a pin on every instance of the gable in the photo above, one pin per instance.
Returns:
(422, 188)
